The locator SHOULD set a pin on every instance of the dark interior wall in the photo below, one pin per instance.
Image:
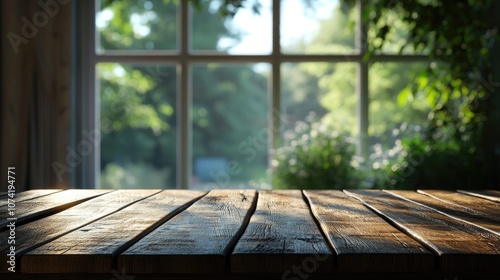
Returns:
(36, 91)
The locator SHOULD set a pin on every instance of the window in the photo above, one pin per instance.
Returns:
(186, 99)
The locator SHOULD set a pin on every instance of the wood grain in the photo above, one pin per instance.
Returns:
(39, 232)
(486, 207)
(195, 241)
(29, 210)
(362, 240)
(460, 246)
(93, 248)
(486, 194)
(281, 234)
(27, 195)
(471, 209)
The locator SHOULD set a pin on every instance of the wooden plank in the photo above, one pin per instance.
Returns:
(29, 210)
(477, 212)
(195, 241)
(37, 233)
(281, 234)
(486, 194)
(362, 240)
(475, 203)
(93, 248)
(460, 246)
(27, 195)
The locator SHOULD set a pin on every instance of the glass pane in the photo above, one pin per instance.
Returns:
(137, 25)
(319, 115)
(247, 32)
(137, 105)
(394, 112)
(396, 41)
(327, 90)
(317, 27)
(230, 126)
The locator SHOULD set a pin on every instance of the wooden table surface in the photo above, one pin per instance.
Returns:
(248, 234)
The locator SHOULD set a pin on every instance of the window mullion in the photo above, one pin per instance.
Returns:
(275, 99)
(362, 87)
(184, 100)
(91, 166)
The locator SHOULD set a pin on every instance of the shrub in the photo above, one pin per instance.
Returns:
(429, 160)
(316, 156)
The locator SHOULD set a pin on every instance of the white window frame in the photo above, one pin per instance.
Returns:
(184, 59)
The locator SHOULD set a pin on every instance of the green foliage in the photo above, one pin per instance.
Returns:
(394, 168)
(459, 37)
(329, 89)
(415, 162)
(133, 176)
(229, 8)
(315, 156)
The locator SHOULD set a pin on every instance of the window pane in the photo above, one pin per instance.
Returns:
(317, 27)
(247, 32)
(230, 126)
(138, 148)
(137, 25)
(397, 39)
(392, 108)
(326, 89)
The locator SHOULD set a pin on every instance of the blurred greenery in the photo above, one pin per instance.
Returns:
(431, 124)
(134, 176)
(316, 156)
(329, 90)
(458, 149)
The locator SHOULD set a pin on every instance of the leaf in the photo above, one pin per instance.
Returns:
(403, 96)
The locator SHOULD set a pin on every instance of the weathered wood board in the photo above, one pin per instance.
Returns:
(93, 248)
(281, 234)
(29, 210)
(460, 247)
(468, 210)
(39, 232)
(196, 240)
(359, 236)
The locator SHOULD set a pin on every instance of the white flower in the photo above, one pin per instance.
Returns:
(314, 133)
